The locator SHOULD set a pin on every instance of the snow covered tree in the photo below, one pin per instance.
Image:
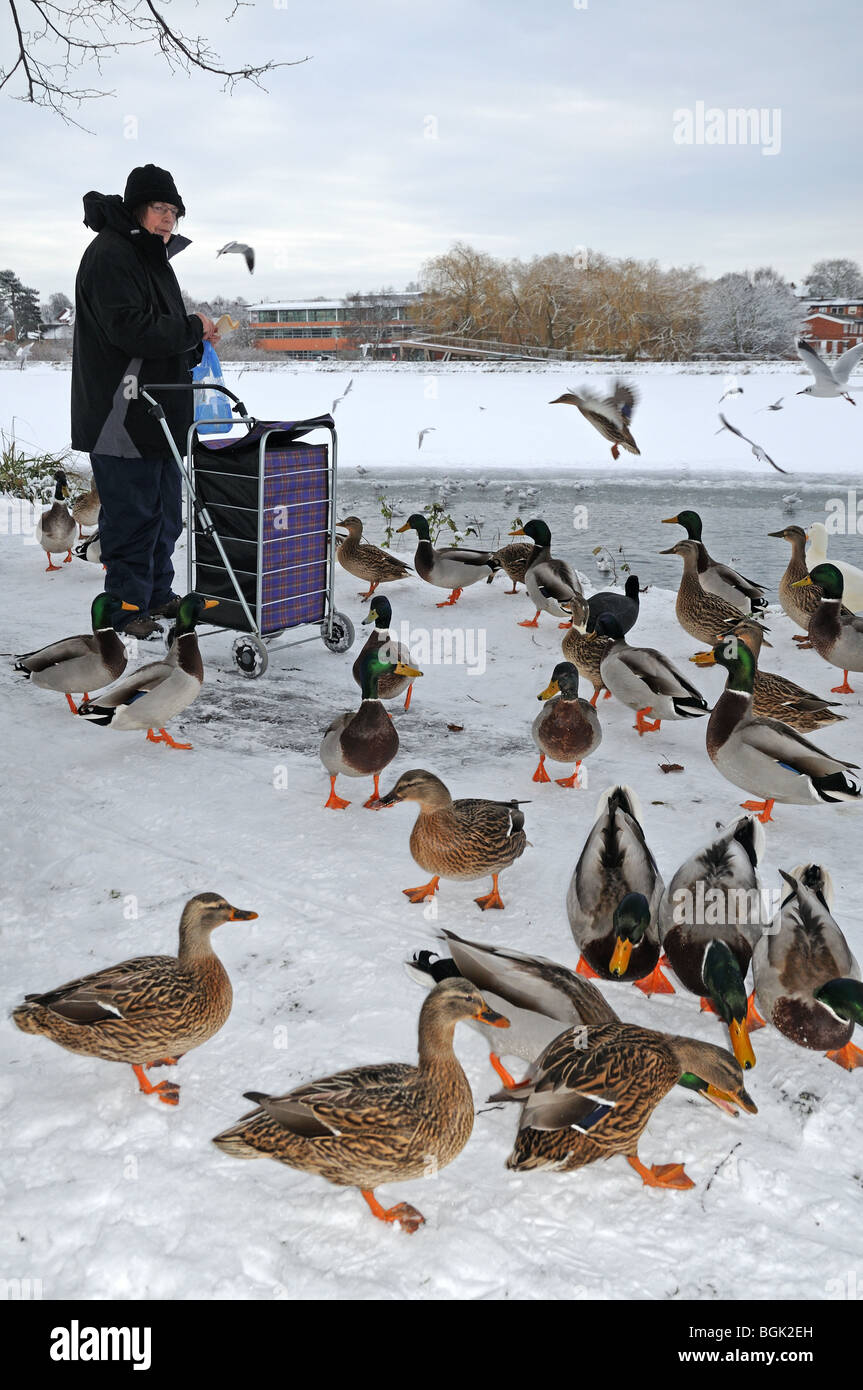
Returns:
(67, 37)
(20, 302)
(57, 304)
(749, 314)
(837, 279)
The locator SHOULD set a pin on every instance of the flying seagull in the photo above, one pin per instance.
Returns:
(828, 381)
(422, 434)
(239, 248)
(732, 391)
(777, 405)
(346, 392)
(757, 450)
(611, 415)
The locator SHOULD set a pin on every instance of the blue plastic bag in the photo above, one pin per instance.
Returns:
(213, 413)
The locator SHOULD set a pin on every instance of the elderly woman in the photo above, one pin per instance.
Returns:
(132, 329)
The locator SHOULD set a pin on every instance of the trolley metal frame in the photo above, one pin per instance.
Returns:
(251, 649)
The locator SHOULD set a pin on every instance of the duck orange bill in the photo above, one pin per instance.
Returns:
(489, 1016)
(406, 527)
(402, 670)
(620, 958)
(130, 607)
(522, 533)
(550, 690)
(797, 583)
(729, 1102)
(211, 603)
(668, 520)
(741, 1044)
(239, 915)
(704, 659)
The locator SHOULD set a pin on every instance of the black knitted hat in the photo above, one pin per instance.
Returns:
(150, 184)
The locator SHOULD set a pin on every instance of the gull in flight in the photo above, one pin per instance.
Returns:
(239, 248)
(757, 450)
(777, 405)
(422, 434)
(346, 392)
(732, 391)
(611, 415)
(828, 381)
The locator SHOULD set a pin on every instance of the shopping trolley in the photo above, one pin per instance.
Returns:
(261, 528)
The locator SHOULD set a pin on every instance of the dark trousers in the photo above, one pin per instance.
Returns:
(140, 518)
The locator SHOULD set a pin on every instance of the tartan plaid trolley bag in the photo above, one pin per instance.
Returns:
(261, 530)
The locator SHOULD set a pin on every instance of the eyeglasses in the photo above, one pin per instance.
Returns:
(163, 210)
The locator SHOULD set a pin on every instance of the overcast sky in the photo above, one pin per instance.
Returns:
(520, 126)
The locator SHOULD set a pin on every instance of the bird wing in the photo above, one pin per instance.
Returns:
(623, 399)
(138, 683)
(734, 430)
(846, 364)
(816, 364)
(113, 993)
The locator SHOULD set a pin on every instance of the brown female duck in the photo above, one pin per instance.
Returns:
(702, 615)
(463, 839)
(368, 1125)
(367, 562)
(148, 1011)
(779, 698)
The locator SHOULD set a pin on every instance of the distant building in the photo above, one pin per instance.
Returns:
(313, 328)
(63, 327)
(833, 325)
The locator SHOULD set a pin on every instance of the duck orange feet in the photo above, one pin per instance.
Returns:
(844, 688)
(760, 808)
(333, 802)
(541, 775)
(848, 1056)
(374, 801)
(447, 603)
(162, 736)
(407, 1216)
(167, 1091)
(661, 1174)
(531, 622)
(572, 780)
(426, 890)
(586, 970)
(656, 982)
(643, 725)
(492, 899)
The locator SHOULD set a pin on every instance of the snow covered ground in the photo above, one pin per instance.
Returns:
(110, 1194)
(497, 415)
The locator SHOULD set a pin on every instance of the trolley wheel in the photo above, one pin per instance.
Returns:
(341, 635)
(171, 636)
(250, 656)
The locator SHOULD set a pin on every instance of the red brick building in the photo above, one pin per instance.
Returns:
(833, 325)
(313, 328)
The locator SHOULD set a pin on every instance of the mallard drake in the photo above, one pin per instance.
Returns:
(765, 756)
(704, 616)
(567, 730)
(836, 636)
(454, 567)
(586, 649)
(55, 529)
(158, 692)
(85, 508)
(591, 1097)
(367, 562)
(361, 743)
(614, 895)
(149, 1011)
(806, 980)
(817, 538)
(535, 994)
(86, 662)
(624, 607)
(646, 681)
(513, 560)
(390, 685)
(711, 915)
(611, 415)
(550, 583)
(368, 1125)
(715, 578)
(462, 840)
(780, 698)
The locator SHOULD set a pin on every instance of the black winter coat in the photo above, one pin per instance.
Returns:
(131, 329)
